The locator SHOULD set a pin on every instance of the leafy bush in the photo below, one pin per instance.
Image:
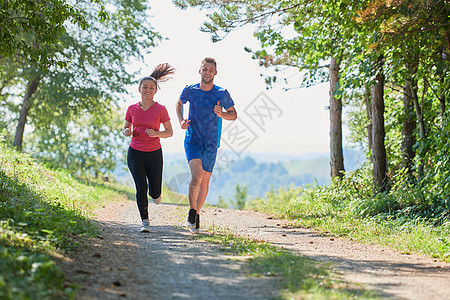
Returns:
(404, 217)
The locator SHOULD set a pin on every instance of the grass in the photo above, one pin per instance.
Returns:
(42, 215)
(339, 213)
(45, 213)
(299, 276)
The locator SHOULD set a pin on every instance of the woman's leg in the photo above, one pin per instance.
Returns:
(154, 168)
(136, 164)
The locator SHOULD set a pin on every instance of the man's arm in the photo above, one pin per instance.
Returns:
(179, 109)
(229, 114)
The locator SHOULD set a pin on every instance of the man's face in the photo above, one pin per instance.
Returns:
(207, 72)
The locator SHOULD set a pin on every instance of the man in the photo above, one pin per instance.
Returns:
(208, 105)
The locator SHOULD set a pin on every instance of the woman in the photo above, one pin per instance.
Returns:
(142, 122)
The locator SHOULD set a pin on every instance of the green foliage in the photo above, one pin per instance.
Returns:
(435, 186)
(222, 203)
(29, 275)
(403, 218)
(88, 145)
(31, 29)
(240, 197)
(42, 212)
(92, 82)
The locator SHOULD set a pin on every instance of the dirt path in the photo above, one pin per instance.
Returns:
(168, 264)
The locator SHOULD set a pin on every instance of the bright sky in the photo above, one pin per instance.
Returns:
(276, 121)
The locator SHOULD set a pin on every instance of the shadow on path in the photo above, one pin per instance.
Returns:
(164, 264)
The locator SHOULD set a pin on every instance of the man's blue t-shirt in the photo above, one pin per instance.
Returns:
(205, 126)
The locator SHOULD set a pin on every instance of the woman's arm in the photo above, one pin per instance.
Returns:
(126, 131)
(167, 132)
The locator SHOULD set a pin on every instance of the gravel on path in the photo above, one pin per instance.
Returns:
(168, 263)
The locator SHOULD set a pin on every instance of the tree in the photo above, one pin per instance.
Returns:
(240, 197)
(96, 74)
(30, 29)
(315, 41)
(336, 152)
(408, 128)
(377, 41)
(88, 145)
(31, 88)
(379, 159)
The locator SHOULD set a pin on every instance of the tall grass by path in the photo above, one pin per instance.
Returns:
(43, 213)
(340, 211)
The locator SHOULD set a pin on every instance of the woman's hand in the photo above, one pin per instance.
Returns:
(126, 131)
(152, 133)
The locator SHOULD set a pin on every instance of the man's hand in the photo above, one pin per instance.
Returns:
(184, 123)
(218, 110)
(229, 114)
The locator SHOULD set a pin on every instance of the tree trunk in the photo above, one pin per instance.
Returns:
(419, 114)
(442, 104)
(447, 37)
(378, 134)
(336, 155)
(367, 102)
(409, 125)
(442, 101)
(26, 104)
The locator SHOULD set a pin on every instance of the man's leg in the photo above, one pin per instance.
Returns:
(198, 190)
(204, 187)
(195, 165)
(201, 171)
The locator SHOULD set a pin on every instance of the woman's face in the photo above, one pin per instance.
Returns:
(148, 89)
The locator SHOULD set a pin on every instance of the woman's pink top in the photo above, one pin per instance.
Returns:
(152, 118)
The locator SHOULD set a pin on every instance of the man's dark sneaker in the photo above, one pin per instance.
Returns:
(190, 223)
(197, 225)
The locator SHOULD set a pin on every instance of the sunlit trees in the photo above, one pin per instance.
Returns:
(31, 29)
(315, 48)
(387, 52)
(90, 81)
(87, 144)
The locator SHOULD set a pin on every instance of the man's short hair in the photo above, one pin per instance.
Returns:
(209, 60)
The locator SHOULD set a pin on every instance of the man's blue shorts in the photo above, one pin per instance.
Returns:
(208, 157)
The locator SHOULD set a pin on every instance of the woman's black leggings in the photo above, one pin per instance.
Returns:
(146, 168)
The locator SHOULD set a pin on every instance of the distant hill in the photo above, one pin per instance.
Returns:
(316, 167)
(259, 172)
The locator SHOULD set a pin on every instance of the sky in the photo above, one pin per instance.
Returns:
(293, 122)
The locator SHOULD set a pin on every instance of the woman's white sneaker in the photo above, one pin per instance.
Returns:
(145, 226)
(157, 201)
